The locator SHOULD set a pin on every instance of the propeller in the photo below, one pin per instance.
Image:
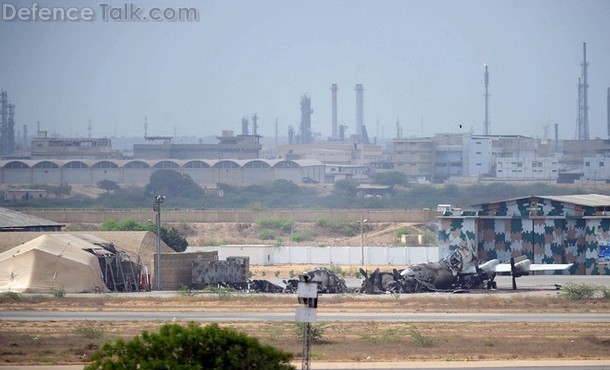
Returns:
(512, 272)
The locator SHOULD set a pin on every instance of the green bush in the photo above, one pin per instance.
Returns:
(402, 231)
(420, 339)
(278, 223)
(574, 292)
(58, 292)
(266, 235)
(9, 297)
(89, 330)
(341, 227)
(190, 347)
(317, 331)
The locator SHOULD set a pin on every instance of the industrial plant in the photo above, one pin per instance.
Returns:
(350, 152)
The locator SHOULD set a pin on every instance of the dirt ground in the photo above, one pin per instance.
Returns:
(60, 342)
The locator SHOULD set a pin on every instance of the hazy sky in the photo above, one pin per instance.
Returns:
(421, 61)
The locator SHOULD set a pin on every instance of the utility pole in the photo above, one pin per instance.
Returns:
(157, 208)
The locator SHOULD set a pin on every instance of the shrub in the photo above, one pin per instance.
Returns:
(420, 339)
(317, 331)
(573, 291)
(58, 292)
(266, 235)
(282, 224)
(402, 231)
(89, 330)
(9, 297)
(190, 347)
(297, 237)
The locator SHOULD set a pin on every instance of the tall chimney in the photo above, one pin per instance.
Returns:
(557, 138)
(487, 123)
(334, 88)
(359, 112)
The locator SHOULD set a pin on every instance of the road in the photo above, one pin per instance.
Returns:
(479, 365)
(290, 316)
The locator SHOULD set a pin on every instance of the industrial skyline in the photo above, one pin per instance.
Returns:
(420, 62)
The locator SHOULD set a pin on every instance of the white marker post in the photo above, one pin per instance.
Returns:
(307, 294)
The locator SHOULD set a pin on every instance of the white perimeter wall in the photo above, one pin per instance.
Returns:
(348, 256)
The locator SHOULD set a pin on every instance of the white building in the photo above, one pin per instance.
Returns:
(527, 168)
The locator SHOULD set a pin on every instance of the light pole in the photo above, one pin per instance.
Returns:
(157, 208)
(362, 221)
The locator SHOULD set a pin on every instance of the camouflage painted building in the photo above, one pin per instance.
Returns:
(546, 229)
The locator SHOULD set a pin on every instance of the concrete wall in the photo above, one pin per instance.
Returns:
(177, 268)
(346, 256)
(231, 215)
(233, 270)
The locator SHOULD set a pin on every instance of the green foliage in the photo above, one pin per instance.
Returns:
(266, 234)
(9, 297)
(173, 239)
(317, 331)
(58, 292)
(340, 227)
(170, 236)
(345, 187)
(420, 339)
(108, 185)
(402, 231)
(190, 347)
(378, 336)
(186, 291)
(430, 238)
(278, 223)
(173, 184)
(390, 178)
(297, 237)
(127, 224)
(575, 292)
(90, 330)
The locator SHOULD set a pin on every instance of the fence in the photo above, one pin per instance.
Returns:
(344, 256)
(222, 215)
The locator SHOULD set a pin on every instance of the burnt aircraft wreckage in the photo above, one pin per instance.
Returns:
(458, 271)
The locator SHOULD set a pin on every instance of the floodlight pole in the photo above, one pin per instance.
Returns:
(362, 221)
(157, 207)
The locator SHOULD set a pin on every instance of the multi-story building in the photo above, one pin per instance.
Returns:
(527, 168)
(44, 147)
(228, 147)
(415, 157)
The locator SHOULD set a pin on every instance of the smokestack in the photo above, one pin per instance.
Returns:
(254, 124)
(25, 136)
(487, 123)
(557, 138)
(244, 126)
(359, 112)
(334, 88)
(306, 111)
(585, 91)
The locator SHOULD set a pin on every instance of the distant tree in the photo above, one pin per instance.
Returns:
(108, 185)
(390, 178)
(285, 187)
(190, 347)
(173, 184)
(173, 239)
(170, 237)
(346, 187)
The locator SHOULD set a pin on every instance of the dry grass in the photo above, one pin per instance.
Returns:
(59, 342)
(73, 342)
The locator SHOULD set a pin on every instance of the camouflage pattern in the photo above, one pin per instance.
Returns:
(543, 230)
